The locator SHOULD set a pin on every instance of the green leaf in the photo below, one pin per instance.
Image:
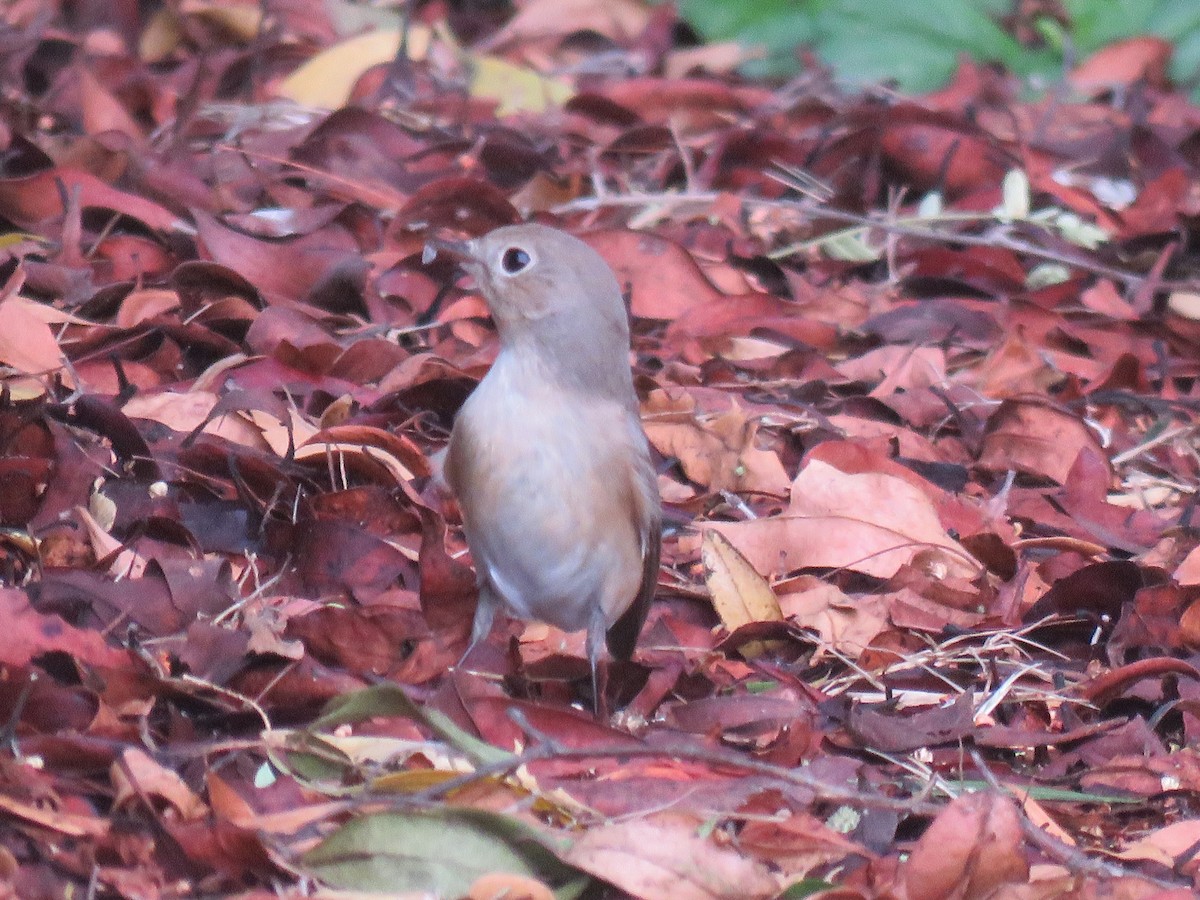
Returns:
(918, 45)
(440, 851)
(806, 888)
(849, 246)
(778, 27)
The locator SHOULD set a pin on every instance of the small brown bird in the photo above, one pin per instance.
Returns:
(548, 459)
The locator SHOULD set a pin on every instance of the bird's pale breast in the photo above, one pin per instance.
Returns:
(545, 481)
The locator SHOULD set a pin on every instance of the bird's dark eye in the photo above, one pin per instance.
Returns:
(514, 260)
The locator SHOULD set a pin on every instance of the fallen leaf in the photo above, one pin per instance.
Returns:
(973, 847)
(663, 857)
(739, 594)
(869, 522)
(325, 81)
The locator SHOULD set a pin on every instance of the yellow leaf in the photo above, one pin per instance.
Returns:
(739, 594)
(514, 88)
(160, 37)
(325, 81)
(239, 20)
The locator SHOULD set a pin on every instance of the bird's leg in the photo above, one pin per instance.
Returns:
(595, 647)
(485, 612)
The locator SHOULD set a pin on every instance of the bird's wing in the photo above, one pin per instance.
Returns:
(647, 511)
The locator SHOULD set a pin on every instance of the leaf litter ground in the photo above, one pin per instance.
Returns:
(922, 378)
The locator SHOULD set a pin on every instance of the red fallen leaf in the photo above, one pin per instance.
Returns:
(136, 776)
(282, 269)
(662, 278)
(467, 205)
(1156, 208)
(693, 103)
(861, 459)
(221, 846)
(27, 633)
(908, 730)
(843, 624)
(1170, 846)
(1015, 737)
(1017, 367)
(1041, 168)
(511, 887)
(1037, 439)
(132, 257)
(619, 20)
(932, 156)
(294, 338)
(343, 555)
(992, 269)
(1084, 498)
(55, 820)
(798, 844)
(869, 522)
(1103, 297)
(1154, 619)
(384, 639)
(102, 111)
(369, 360)
(27, 342)
(777, 722)
(394, 451)
(908, 609)
(23, 481)
(1126, 373)
(972, 848)
(360, 156)
(1120, 64)
(212, 652)
(711, 325)
(32, 199)
(1188, 572)
(447, 585)
(971, 79)
(51, 708)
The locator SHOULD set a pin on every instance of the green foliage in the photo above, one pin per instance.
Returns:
(918, 45)
(437, 852)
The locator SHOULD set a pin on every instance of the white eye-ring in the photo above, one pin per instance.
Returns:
(514, 260)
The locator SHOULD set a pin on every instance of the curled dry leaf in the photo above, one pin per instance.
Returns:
(137, 776)
(844, 624)
(973, 847)
(719, 454)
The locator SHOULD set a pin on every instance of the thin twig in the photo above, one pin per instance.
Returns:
(822, 790)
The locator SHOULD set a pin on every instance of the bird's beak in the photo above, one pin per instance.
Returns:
(458, 250)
